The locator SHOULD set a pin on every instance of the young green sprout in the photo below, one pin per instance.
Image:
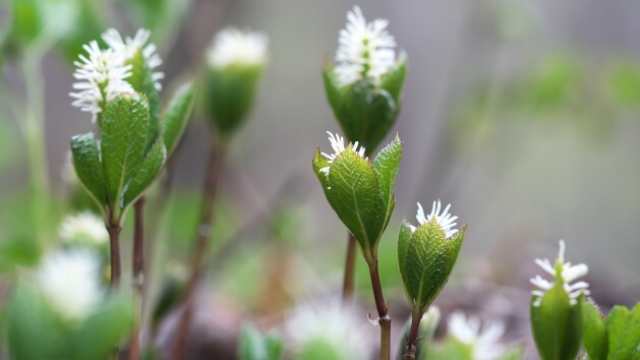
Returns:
(556, 316)
(426, 255)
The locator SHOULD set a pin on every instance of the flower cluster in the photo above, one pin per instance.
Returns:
(365, 50)
(563, 273)
(102, 74)
(338, 145)
(484, 341)
(232, 46)
(442, 217)
(83, 227)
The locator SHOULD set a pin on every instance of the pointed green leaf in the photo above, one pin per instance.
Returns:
(595, 332)
(102, 332)
(623, 327)
(88, 167)
(403, 246)
(141, 80)
(430, 258)
(386, 166)
(332, 90)
(352, 189)
(124, 127)
(177, 116)
(557, 325)
(146, 173)
(394, 79)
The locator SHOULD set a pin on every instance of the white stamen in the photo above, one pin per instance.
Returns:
(444, 218)
(232, 46)
(484, 341)
(338, 145)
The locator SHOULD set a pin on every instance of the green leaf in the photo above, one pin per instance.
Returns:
(176, 116)
(394, 79)
(141, 80)
(146, 173)
(34, 330)
(595, 332)
(403, 246)
(386, 166)
(353, 191)
(100, 334)
(557, 325)
(623, 327)
(124, 127)
(366, 112)
(88, 167)
(428, 262)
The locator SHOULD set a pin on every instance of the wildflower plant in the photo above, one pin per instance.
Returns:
(118, 86)
(427, 254)
(364, 84)
(556, 307)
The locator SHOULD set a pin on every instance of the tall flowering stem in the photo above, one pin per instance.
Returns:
(363, 88)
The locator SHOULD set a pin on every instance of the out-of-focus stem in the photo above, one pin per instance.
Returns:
(217, 153)
(383, 313)
(349, 268)
(410, 351)
(138, 272)
(114, 228)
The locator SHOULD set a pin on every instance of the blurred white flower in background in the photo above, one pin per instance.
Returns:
(484, 342)
(563, 272)
(70, 282)
(83, 227)
(332, 327)
(235, 47)
(129, 47)
(365, 50)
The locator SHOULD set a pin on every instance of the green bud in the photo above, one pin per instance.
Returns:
(595, 331)
(427, 254)
(366, 109)
(556, 308)
(616, 337)
(360, 192)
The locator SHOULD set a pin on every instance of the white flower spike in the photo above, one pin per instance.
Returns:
(69, 281)
(101, 76)
(83, 227)
(485, 341)
(365, 50)
(444, 218)
(127, 49)
(233, 46)
(338, 146)
(563, 272)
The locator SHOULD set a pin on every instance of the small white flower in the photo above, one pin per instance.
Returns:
(484, 342)
(338, 146)
(129, 47)
(563, 272)
(233, 46)
(365, 50)
(69, 281)
(332, 324)
(444, 218)
(85, 227)
(101, 76)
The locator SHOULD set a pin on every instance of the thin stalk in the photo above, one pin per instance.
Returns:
(216, 159)
(383, 313)
(349, 268)
(114, 228)
(34, 137)
(410, 351)
(138, 272)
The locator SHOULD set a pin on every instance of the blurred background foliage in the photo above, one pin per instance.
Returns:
(522, 114)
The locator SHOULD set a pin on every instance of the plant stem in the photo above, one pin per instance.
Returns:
(349, 268)
(383, 313)
(138, 272)
(410, 352)
(114, 228)
(216, 159)
(34, 137)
